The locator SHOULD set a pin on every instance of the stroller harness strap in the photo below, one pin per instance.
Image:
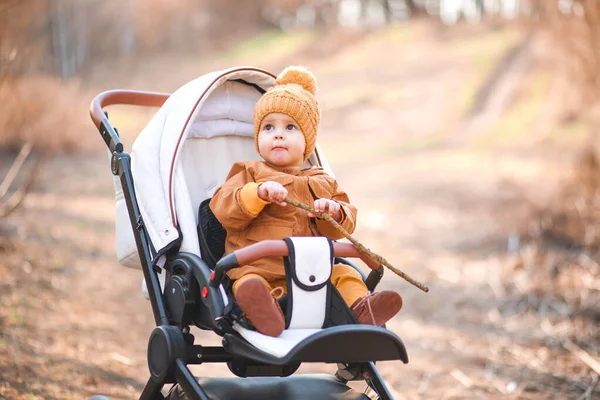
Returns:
(308, 271)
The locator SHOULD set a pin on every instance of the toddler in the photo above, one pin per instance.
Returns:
(250, 206)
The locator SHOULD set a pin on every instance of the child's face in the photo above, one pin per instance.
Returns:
(280, 141)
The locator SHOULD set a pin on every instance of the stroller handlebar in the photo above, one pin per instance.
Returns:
(277, 248)
(127, 97)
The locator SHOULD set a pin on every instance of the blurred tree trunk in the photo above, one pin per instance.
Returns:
(400, 9)
(387, 9)
(364, 11)
(80, 37)
(413, 9)
(68, 27)
(320, 8)
(59, 30)
(326, 13)
(129, 37)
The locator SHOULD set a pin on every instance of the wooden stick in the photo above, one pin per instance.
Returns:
(10, 204)
(14, 169)
(362, 249)
(462, 378)
(123, 360)
(582, 355)
(590, 390)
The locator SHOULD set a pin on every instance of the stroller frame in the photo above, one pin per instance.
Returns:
(171, 346)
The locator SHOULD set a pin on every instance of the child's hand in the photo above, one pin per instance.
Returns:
(328, 206)
(273, 192)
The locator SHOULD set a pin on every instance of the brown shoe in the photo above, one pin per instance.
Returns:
(377, 308)
(260, 308)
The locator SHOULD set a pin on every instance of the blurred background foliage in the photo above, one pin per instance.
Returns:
(50, 49)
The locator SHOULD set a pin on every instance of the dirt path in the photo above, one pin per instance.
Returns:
(74, 323)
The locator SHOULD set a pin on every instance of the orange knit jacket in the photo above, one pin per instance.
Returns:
(249, 219)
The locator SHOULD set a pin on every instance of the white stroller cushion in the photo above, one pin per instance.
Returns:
(221, 127)
(279, 346)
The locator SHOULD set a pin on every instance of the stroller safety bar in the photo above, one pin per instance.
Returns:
(278, 248)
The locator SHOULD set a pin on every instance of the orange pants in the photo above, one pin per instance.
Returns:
(346, 280)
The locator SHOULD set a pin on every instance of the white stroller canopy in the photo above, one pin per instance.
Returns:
(209, 106)
(185, 153)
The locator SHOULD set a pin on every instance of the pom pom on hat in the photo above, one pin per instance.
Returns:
(299, 76)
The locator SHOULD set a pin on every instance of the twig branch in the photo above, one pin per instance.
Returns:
(590, 390)
(462, 378)
(14, 169)
(362, 249)
(582, 355)
(15, 200)
(123, 360)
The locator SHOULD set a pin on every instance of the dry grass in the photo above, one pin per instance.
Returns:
(575, 37)
(555, 270)
(572, 218)
(45, 111)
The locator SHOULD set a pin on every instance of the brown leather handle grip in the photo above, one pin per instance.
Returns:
(278, 248)
(127, 97)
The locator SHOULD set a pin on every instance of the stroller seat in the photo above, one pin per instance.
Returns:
(335, 344)
(177, 162)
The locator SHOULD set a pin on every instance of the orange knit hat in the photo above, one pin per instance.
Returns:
(293, 95)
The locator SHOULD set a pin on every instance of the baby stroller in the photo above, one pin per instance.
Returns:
(165, 227)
